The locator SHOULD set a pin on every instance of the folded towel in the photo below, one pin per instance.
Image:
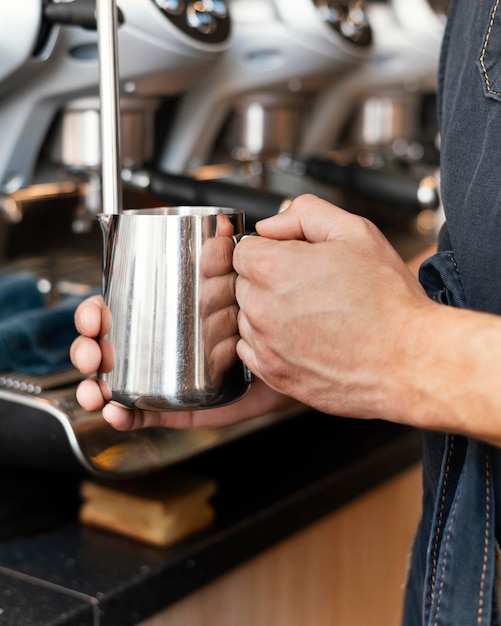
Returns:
(19, 292)
(35, 339)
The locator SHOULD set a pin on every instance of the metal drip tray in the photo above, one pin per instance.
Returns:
(42, 425)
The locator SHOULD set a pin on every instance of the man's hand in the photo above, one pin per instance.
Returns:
(324, 299)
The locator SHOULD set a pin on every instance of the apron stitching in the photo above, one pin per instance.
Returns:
(440, 520)
(484, 49)
(486, 540)
(452, 259)
(444, 561)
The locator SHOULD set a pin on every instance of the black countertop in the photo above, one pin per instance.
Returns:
(271, 484)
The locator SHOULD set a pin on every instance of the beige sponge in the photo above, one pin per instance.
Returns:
(160, 509)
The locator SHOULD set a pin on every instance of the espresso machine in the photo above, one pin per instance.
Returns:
(331, 97)
(241, 103)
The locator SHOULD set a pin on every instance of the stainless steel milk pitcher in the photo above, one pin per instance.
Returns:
(167, 347)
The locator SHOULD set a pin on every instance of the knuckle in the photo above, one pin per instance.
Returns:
(366, 228)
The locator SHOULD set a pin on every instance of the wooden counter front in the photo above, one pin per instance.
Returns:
(348, 569)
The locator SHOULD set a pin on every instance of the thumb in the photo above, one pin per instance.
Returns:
(308, 218)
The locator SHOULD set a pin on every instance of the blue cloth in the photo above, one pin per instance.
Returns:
(19, 292)
(452, 579)
(34, 339)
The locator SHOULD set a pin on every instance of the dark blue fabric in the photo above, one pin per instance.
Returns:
(452, 581)
(470, 124)
(34, 338)
(19, 292)
(440, 277)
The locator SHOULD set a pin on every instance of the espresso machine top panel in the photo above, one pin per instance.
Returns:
(49, 64)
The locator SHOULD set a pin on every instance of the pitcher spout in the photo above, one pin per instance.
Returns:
(108, 225)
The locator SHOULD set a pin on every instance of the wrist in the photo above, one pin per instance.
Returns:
(420, 364)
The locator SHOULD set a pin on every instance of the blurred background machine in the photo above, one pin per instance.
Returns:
(242, 103)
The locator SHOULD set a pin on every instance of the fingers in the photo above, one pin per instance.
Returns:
(258, 401)
(88, 316)
(216, 258)
(312, 219)
(217, 293)
(224, 226)
(89, 395)
(308, 219)
(247, 355)
(124, 419)
(92, 320)
(85, 355)
(219, 326)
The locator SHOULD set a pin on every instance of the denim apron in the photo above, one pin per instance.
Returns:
(453, 578)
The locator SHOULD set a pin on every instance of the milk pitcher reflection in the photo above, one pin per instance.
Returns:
(168, 286)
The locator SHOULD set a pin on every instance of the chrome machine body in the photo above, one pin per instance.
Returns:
(240, 103)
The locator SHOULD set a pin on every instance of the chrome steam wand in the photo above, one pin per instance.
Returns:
(107, 31)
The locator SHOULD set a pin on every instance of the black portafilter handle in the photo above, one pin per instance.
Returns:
(184, 190)
(76, 13)
(390, 187)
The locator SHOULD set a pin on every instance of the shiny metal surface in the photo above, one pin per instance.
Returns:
(77, 145)
(167, 348)
(84, 439)
(265, 126)
(386, 118)
(107, 36)
(348, 18)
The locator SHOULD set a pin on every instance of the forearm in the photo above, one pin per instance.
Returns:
(447, 374)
